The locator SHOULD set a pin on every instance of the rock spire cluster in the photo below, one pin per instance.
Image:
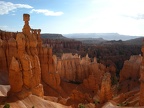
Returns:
(24, 66)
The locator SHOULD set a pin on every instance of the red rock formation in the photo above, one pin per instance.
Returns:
(77, 96)
(11, 50)
(131, 68)
(49, 75)
(94, 80)
(67, 68)
(26, 28)
(8, 50)
(141, 99)
(91, 83)
(130, 73)
(15, 76)
(63, 44)
(73, 68)
(3, 64)
(105, 91)
(24, 64)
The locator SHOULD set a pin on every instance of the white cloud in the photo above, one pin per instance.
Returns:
(132, 8)
(46, 12)
(121, 16)
(127, 8)
(6, 7)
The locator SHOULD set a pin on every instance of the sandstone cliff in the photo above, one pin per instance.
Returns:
(75, 69)
(130, 85)
(141, 99)
(22, 55)
(130, 74)
(24, 63)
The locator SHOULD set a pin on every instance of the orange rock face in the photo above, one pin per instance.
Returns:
(77, 96)
(141, 100)
(11, 50)
(3, 63)
(105, 91)
(91, 83)
(49, 75)
(130, 73)
(24, 65)
(131, 68)
(15, 75)
(76, 69)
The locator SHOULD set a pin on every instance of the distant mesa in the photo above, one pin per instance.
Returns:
(105, 36)
(53, 36)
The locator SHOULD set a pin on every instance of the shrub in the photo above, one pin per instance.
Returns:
(6, 105)
(96, 102)
(81, 105)
(114, 80)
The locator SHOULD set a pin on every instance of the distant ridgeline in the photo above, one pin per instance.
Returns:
(53, 36)
(105, 36)
(58, 41)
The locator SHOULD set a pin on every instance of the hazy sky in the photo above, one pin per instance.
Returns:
(75, 16)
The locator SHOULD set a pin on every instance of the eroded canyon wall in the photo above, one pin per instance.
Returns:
(73, 68)
(25, 62)
(130, 73)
